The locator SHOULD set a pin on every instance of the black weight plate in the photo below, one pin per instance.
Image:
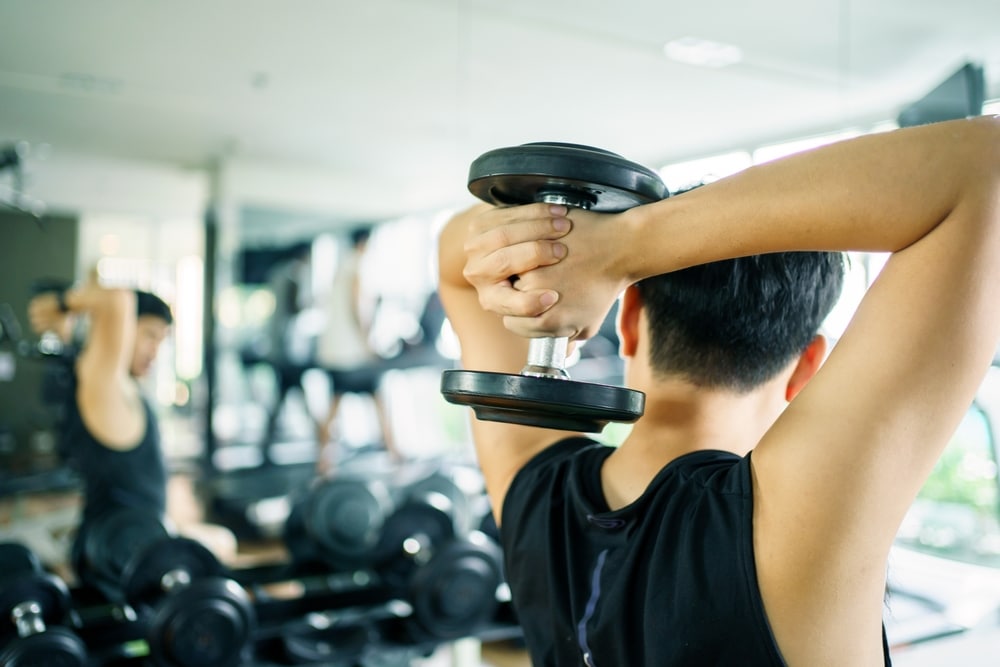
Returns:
(56, 647)
(589, 177)
(113, 538)
(142, 578)
(344, 515)
(49, 591)
(209, 622)
(433, 522)
(299, 544)
(410, 538)
(438, 481)
(540, 401)
(456, 591)
(16, 558)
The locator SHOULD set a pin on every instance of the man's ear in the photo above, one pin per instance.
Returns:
(628, 321)
(809, 362)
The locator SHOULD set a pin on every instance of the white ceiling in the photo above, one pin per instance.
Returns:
(388, 101)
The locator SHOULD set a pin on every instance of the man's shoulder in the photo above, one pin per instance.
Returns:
(564, 451)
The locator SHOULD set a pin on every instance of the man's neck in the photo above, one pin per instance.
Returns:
(680, 418)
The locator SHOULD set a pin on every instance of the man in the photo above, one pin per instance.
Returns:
(343, 351)
(110, 429)
(730, 528)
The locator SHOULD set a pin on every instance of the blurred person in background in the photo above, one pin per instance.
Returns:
(344, 352)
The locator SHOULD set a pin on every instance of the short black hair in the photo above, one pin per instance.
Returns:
(148, 303)
(736, 323)
(360, 234)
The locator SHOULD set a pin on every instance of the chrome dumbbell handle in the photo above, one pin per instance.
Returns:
(547, 358)
(175, 579)
(27, 617)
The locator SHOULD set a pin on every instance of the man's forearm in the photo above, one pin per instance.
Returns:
(451, 248)
(881, 192)
(90, 298)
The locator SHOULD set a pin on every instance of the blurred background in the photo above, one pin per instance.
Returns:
(223, 155)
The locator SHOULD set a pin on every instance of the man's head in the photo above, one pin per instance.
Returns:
(152, 326)
(359, 237)
(736, 324)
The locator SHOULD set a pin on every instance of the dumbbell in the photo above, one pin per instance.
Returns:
(542, 394)
(197, 615)
(107, 542)
(443, 480)
(340, 520)
(451, 595)
(433, 512)
(456, 592)
(334, 638)
(32, 604)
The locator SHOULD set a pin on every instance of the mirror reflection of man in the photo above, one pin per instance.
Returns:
(109, 428)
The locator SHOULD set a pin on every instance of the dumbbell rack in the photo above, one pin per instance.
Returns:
(329, 610)
(311, 611)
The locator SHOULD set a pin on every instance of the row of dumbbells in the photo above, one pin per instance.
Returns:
(34, 613)
(372, 580)
(421, 531)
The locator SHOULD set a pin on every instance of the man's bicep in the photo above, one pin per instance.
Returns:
(502, 449)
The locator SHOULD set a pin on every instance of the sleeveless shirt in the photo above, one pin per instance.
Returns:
(112, 478)
(668, 580)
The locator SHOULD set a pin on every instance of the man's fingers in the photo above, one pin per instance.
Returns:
(506, 300)
(512, 260)
(504, 216)
(517, 232)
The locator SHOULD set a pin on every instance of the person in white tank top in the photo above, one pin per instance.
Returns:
(343, 351)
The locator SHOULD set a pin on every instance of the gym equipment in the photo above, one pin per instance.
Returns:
(412, 536)
(438, 483)
(389, 552)
(339, 521)
(334, 638)
(109, 541)
(34, 603)
(197, 615)
(372, 515)
(449, 595)
(542, 394)
(12, 157)
(455, 593)
(15, 557)
(234, 498)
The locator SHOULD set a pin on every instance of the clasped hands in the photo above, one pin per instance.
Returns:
(548, 270)
(45, 313)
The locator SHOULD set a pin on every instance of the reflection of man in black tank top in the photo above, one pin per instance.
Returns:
(109, 430)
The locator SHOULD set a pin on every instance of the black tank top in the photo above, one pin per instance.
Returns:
(112, 478)
(667, 581)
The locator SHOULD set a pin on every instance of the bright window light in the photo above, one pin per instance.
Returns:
(188, 317)
(683, 175)
(991, 107)
(775, 151)
(702, 52)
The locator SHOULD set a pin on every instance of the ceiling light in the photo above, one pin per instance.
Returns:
(702, 52)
